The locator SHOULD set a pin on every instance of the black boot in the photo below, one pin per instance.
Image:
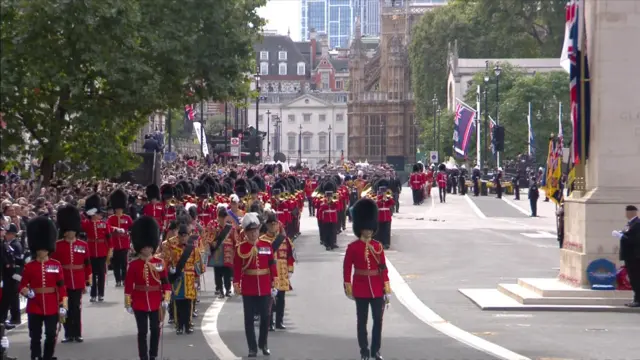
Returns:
(266, 351)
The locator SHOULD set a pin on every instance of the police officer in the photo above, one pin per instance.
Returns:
(516, 186)
(13, 260)
(534, 194)
(475, 177)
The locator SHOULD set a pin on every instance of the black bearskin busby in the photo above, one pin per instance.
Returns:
(92, 204)
(416, 168)
(442, 167)
(68, 219)
(202, 191)
(382, 184)
(259, 181)
(42, 234)
(250, 173)
(329, 186)
(365, 216)
(167, 192)
(118, 199)
(145, 233)
(153, 192)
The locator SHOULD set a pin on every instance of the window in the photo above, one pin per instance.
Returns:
(282, 55)
(264, 68)
(291, 140)
(264, 55)
(340, 142)
(339, 84)
(339, 117)
(306, 117)
(301, 69)
(325, 80)
(322, 117)
(282, 69)
(291, 118)
(322, 143)
(306, 144)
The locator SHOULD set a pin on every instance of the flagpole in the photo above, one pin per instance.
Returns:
(560, 119)
(529, 126)
(478, 146)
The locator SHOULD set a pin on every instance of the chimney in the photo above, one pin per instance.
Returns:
(312, 39)
(324, 43)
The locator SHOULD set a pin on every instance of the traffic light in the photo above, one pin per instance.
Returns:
(498, 137)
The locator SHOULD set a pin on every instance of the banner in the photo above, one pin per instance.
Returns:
(463, 127)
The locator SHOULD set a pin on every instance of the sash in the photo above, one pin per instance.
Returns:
(275, 245)
(183, 259)
(220, 238)
(233, 216)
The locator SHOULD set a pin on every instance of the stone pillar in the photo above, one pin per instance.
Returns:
(613, 169)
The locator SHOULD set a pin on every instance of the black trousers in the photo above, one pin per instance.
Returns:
(222, 276)
(362, 313)
(119, 263)
(396, 199)
(260, 305)
(98, 269)
(183, 313)
(476, 188)
(443, 194)
(277, 309)
(499, 191)
(73, 323)
(417, 195)
(328, 233)
(148, 322)
(50, 323)
(516, 192)
(533, 203)
(383, 235)
(10, 302)
(633, 271)
(310, 204)
(342, 219)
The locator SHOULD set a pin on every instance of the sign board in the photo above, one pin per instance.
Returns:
(235, 151)
(235, 142)
(433, 157)
(170, 156)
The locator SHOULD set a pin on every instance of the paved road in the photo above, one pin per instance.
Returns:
(437, 249)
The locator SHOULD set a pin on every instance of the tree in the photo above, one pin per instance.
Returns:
(483, 29)
(80, 78)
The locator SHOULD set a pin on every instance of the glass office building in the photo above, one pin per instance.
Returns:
(333, 17)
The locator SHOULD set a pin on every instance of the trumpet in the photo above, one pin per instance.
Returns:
(172, 203)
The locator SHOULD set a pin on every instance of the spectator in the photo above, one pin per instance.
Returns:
(151, 144)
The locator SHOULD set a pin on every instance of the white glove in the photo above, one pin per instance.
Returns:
(290, 275)
(31, 294)
(4, 342)
(121, 230)
(62, 312)
(1, 284)
(17, 277)
(165, 305)
(129, 310)
(616, 234)
(172, 270)
(274, 292)
(387, 299)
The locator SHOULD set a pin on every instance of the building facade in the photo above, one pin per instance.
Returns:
(332, 17)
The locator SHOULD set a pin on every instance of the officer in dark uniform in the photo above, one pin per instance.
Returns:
(396, 187)
(534, 194)
(475, 177)
(13, 260)
(516, 186)
(454, 180)
(462, 181)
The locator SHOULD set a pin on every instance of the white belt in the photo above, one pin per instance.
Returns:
(330, 211)
(383, 209)
(279, 212)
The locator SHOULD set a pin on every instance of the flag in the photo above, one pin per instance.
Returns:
(464, 125)
(531, 136)
(189, 112)
(580, 90)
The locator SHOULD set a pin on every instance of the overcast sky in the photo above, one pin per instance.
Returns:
(282, 15)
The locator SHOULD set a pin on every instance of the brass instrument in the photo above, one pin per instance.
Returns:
(367, 189)
(172, 203)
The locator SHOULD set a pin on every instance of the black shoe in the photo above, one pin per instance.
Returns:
(179, 332)
(171, 321)
(328, 248)
(195, 314)
(281, 327)
(221, 296)
(228, 294)
(266, 351)
(197, 301)
(633, 304)
(93, 299)
(272, 327)
(189, 330)
(386, 247)
(79, 339)
(9, 326)
(67, 340)
(253, 353)
(101, 298)
(378, 357)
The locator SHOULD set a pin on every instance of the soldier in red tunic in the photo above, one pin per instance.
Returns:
(146, 288)
(98, 237)
(385, 203)
(328, 216)
(255, 277)
(365, 277)
(73, 255)
(120, 222)
(154, 208)
(43, 284)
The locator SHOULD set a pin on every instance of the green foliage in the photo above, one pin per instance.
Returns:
(483, 29)
(80, 78)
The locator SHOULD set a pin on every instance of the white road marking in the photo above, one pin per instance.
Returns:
(475, 207)
(516, 206)
(211, 333)
(540, 235)
(408, 298)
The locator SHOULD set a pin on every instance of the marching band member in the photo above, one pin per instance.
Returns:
(415, 182)
(73, 255)
(42, 284)
(222, 253)
(441, 179)
(168, 193)
(146, 286)
(385, 203)
(120, 239)
(255, 277)
(309, 187)
(98, 237)
(365, 277)
(328, 217)
(154, 208)
(204, 208)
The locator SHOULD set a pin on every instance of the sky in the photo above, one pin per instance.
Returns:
(282, 15)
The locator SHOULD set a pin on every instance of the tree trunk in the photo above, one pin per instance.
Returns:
(46, 170)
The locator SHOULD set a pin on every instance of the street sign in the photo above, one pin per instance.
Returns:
(235, 151)
(433, 156)
(235, 141)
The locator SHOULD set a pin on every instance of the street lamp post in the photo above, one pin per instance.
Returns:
(497, 70)
(276, 135)
(329, 144)
(202, 128)
(439, 112)
(435, 107)
(300, 145)
(381, 145)
(226, 127)
(268, 132)
(486, 115)
(415, 138)
(257, 78)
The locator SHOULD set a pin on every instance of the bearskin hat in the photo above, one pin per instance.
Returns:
(241, 183)
(153, 192)
(250, 173)
(259, 181)
(416, 168)
(382, 183)
(365, 216)
(268, 169)
(278, 187)
(233, 174)
(442, 167)
(270, 217)
(118, 199)
(254, 187)
(92, 205)
(68, 219)
(145, 233)
(167, 191)
(42, 234)
(202, 191)
(329, 186)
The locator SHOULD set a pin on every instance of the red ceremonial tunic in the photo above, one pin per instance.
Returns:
(328, 212)
(98, 235)
(47, 282)
(254, 268)
(146, 284)
(384, 208)
(120, 241)
(74, 258)
(156, 211)
(365, 261)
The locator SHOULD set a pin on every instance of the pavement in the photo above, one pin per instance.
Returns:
(436, 249)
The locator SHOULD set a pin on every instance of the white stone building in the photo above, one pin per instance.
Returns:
(318, 119)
